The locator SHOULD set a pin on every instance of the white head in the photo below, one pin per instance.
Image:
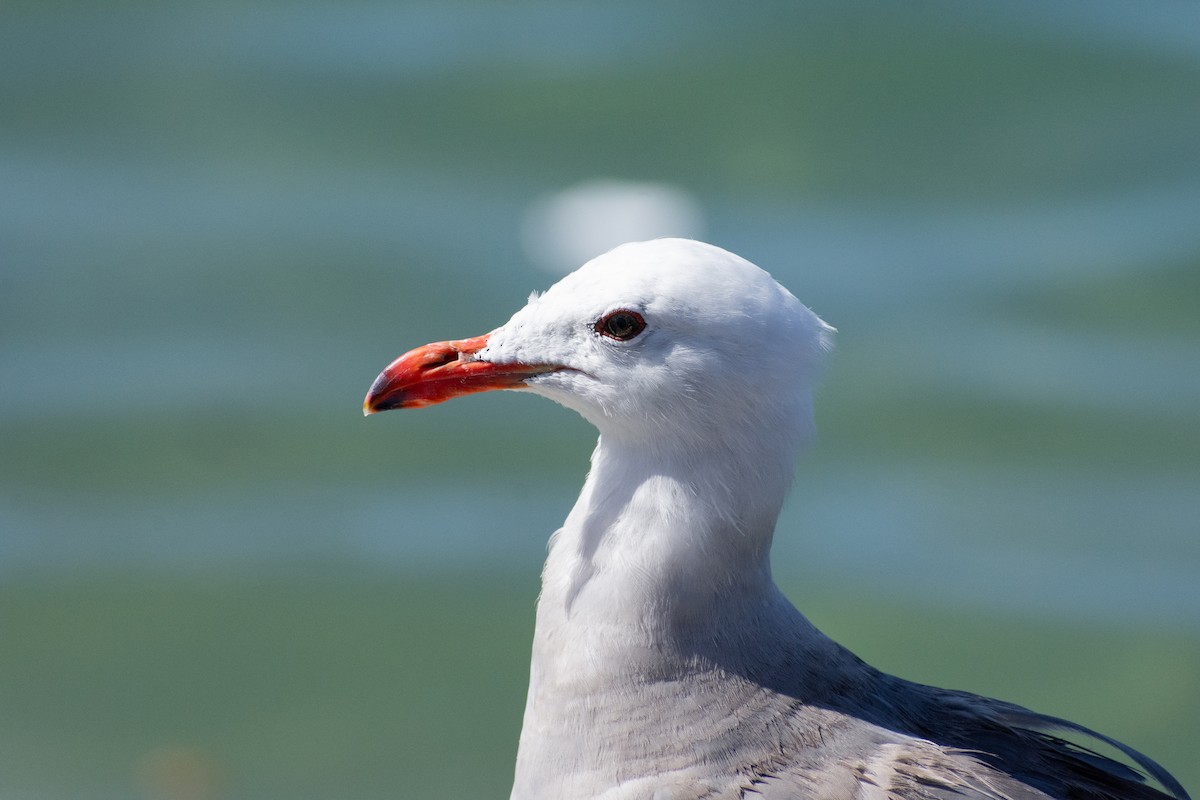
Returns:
(668, 343)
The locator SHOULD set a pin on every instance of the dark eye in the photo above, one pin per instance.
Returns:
(620, 325)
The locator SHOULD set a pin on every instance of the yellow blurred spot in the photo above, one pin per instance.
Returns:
(179, 772)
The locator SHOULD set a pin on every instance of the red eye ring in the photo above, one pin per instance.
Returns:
(621, 325)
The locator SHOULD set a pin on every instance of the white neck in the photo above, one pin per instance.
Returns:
(661, 568)
(660, 542)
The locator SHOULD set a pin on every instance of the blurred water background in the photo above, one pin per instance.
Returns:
(219, 221)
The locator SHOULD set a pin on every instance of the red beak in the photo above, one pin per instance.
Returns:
(442, 370)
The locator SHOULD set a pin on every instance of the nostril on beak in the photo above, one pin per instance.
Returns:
(441, 358)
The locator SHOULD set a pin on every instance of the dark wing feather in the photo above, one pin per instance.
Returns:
(1044, 727)
(1032, 748)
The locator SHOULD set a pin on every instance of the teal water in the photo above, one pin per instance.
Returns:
(218, 223)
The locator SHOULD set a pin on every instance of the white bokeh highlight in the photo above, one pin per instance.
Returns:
(562, 230)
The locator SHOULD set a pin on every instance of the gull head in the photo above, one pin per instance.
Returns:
(664, 343)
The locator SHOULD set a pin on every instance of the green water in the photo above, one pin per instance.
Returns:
(219, 222)
(356, 684)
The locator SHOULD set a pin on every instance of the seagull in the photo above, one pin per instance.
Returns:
(666, 663)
